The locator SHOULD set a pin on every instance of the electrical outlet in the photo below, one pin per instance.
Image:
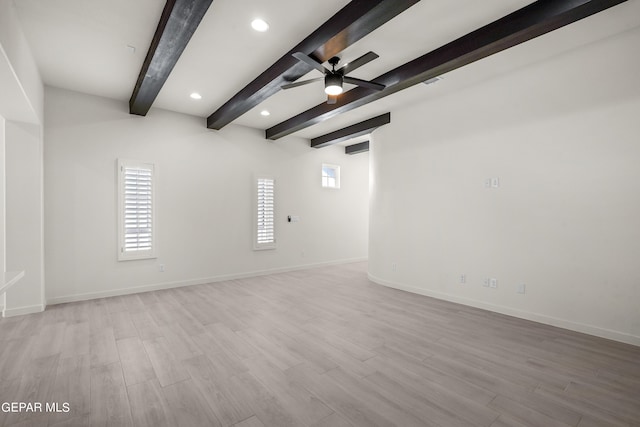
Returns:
(493, 182)
(161, 268)
(493, 283)
(463, 278)
(521, 288)
(485, 283)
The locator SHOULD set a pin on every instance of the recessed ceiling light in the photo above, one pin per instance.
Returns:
(259, 25)
(265, 113)
(195, 95)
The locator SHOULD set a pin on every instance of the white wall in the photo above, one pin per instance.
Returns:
(22, 90)
(2, 200)
(204, 199)
(563, 136)
(21, 104)
(24, 234)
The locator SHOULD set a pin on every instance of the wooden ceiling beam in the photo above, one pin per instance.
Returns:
(350, 132)
(361, 147)
(179, 20)
(350, 24)
(536, 19)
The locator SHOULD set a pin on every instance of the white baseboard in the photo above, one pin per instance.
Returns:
(10, 312)
(192, 282)
(540, 318)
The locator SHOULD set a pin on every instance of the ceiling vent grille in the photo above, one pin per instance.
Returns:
(432, 80)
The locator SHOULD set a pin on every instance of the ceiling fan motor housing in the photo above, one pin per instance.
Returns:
(334, 61)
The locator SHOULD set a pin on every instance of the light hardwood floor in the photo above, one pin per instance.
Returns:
(317, 348)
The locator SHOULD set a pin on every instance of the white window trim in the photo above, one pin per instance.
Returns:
(146, 254)
(270, 245)
(334, 167)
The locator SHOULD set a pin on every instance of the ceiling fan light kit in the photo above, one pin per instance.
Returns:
(334, 79)
(333, 84)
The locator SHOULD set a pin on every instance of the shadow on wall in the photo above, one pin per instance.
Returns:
(587, 77)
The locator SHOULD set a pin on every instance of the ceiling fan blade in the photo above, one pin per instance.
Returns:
(301, 83)
(357, 63)
(331, 99)
(363, 83)
(310, 61)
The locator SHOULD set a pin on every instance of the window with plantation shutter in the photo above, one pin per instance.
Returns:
(265, 237)
(136, 215)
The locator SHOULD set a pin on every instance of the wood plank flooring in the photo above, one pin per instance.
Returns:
(315, 348)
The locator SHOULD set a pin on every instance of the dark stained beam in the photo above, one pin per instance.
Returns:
(178, 22)
(350, 24)
(352, 131)
(362, 147)
(532, 21)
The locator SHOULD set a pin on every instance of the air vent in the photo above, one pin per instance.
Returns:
(432, 80)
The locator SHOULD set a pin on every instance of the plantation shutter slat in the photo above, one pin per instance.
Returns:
(138, 206)
(265, 220)
(137, 233)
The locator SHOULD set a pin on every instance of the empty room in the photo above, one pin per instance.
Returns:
(320, 213)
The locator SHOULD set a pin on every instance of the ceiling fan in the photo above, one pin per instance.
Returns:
(333, 79)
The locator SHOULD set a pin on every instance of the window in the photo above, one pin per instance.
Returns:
(265, 237)
(330, 176)
(136, 215)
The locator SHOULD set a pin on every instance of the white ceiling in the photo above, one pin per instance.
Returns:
(82, 45)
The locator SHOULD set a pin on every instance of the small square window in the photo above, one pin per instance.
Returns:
(330, 176)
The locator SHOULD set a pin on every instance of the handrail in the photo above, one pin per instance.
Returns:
(9, 278)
